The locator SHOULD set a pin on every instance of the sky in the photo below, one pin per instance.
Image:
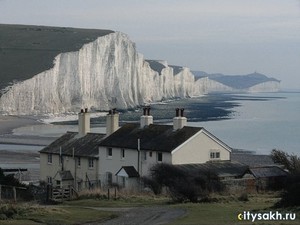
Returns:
(232, 37)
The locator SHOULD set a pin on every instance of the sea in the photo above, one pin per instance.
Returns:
(256, 122)
(261, 122)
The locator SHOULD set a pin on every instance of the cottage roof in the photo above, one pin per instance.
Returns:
(153, 137)
(129, 170)
(221, 168)
(252, 160)
(83, 146)
(268, 171)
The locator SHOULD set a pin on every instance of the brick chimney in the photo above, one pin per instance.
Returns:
(179, 121)
(112, 121)
(146, 118)
(83, 122)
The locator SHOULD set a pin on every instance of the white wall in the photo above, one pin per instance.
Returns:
(197, 150)
(50, 169)
(113, 164)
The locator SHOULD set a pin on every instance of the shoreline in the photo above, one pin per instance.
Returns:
(8, 123)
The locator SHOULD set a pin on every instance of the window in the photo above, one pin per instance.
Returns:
(109, 178)
(49, 180)
(159, 157)
(78, 161)
(214, 155)
(150, 154)
(49, 158)
(91, 163)
(109, 153)
(122, 153)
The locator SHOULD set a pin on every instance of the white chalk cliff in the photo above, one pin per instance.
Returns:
(103, 74)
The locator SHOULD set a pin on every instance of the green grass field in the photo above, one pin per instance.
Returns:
(224, 211)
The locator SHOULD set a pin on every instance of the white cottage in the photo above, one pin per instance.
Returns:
(125, 154)
(140, 146)
(72, 159)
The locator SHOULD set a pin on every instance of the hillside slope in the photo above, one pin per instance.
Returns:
(49, 70)
(237, 82)
(28, 50)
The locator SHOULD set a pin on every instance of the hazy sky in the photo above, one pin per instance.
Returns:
(226, 36)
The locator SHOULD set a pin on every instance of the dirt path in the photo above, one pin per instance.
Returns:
(155, 215)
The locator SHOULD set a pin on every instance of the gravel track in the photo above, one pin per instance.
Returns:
(155, 215)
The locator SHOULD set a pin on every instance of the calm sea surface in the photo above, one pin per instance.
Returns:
(262, 125)
(258, 122)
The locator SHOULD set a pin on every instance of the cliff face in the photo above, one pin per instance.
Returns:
(269, 86)
(103, 74)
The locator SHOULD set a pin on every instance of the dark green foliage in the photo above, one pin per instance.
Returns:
(11, 211)
(243, 197)
(9, 180)
(183, 185)
(290, 162)
(291, 194)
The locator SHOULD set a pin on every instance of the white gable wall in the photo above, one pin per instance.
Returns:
(82, 171)
(197, 149)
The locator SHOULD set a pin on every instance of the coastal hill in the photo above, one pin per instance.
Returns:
(50, 70)
(238, 82)
(28, 50)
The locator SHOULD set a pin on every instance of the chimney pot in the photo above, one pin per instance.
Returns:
(181, 112)
(148, 110)
(177, 112)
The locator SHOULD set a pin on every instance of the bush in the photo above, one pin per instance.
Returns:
(183, 185)
(243, 197)
(11, 211)
(291, 194)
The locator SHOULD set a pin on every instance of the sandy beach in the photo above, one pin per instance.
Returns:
(13, 154)
(8, 123)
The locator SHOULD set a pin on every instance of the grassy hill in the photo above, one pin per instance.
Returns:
(236, 81)
(28, 50)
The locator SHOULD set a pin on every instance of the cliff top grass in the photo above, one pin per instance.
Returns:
(27, 50)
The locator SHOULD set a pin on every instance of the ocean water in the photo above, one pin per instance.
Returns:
(258, 122)
(261, 124)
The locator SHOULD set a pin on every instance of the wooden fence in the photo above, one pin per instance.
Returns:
(61, 194)
(9, 192)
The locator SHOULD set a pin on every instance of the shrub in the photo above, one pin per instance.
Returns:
(11, 211)
(291, 194)
(183, 185)
(243, 197)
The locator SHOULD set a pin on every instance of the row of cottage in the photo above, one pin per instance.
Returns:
(85, 159)
(124, 154)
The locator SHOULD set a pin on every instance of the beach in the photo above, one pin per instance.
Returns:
(20, 151)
